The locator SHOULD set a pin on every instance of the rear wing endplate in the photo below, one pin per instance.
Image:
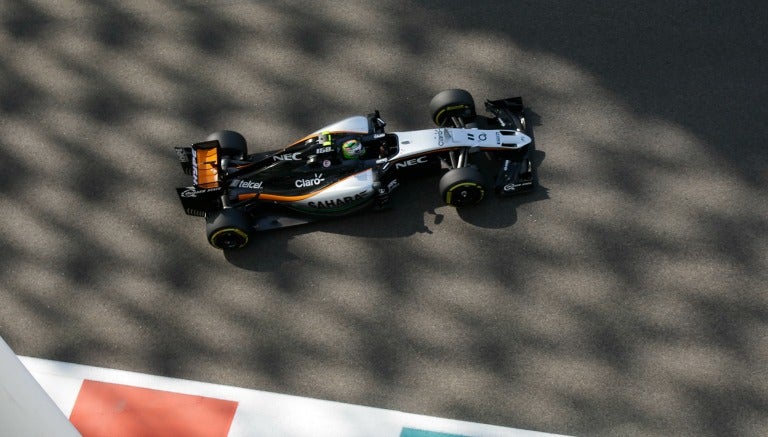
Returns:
(201, 161)
(205, 164)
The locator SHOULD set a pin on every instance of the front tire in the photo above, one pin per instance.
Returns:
(228, 229)
(462, 187)
(452, 103)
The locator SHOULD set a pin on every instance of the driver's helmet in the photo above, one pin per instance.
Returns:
(352, 149)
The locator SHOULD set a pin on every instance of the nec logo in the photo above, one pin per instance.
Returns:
(411, 162)
(287, 157)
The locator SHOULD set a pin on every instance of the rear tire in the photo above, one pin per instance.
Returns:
(452, 103)
(232, 144)
(228, 229)
(462, 187)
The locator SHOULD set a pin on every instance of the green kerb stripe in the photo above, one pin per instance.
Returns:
(410, 432)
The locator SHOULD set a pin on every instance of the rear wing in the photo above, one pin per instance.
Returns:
(201, 161)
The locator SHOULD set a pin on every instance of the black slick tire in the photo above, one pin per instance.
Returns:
(232, 144)
(462, 187)
(452, 103)
(228, 229)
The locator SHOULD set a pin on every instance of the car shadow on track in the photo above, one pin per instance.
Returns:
(406, 216)
(415, 208)
(500, 212)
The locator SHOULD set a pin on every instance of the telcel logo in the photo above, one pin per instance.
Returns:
(250, 184)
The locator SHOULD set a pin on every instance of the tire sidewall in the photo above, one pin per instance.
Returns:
(452, 102)
(229, 224)
(467, 179)
(232, 143)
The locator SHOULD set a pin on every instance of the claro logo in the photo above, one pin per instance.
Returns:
(311, 182)
(440, 137)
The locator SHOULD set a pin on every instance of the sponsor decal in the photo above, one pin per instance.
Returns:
(324, 150)
(411, 162)
(195, 172)
(182, 155)
(287, 157)
(311, 182)
(482, 136)
(393, 184)
(440, 137)
(340, 203)
(192, 192)
(513, 187)
(326, 163)
(250, 184)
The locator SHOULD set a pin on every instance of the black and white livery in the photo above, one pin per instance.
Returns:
(354, 165)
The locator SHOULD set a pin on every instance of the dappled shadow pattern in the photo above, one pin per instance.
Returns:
(630, 302)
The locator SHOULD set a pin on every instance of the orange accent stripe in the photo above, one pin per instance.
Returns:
(277, 197)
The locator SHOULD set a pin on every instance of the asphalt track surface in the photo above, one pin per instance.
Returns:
(627, 296)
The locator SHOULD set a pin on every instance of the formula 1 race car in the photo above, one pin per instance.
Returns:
(353, 165)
